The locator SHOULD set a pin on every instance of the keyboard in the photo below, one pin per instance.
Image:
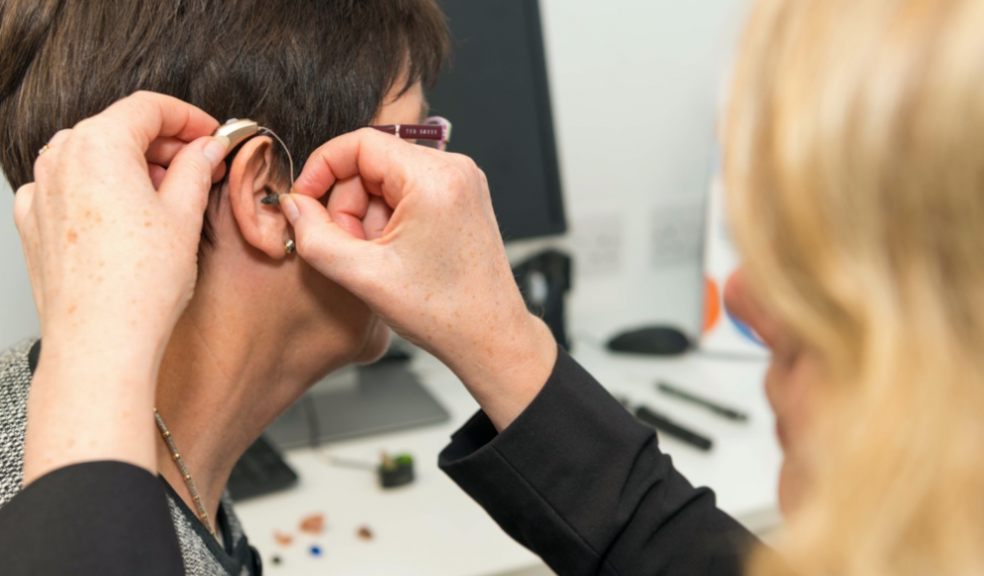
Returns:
(261, 470)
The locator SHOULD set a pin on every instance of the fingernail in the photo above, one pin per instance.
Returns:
(289, 208)
(216, 150)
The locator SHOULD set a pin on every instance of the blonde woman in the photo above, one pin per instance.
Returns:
(856, 174)
(856, 180)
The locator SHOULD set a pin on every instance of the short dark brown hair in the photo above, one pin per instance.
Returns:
(308, 69)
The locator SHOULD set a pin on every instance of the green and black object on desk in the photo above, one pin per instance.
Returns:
(394, 471)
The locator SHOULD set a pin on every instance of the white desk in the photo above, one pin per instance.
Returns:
(432, 528)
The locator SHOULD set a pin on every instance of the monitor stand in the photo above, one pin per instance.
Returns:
(355, 402)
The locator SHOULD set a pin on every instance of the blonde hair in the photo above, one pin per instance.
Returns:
(855, 175)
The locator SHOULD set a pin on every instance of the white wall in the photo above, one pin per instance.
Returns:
(634, 87)
(635, 90)
(17, 316)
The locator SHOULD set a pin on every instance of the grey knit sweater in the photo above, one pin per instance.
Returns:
(202, 554)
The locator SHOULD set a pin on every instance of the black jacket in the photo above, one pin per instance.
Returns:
(575, 479)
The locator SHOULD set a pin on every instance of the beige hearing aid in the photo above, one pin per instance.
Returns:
(238, 131)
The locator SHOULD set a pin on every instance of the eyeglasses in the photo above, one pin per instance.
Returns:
(435, 132)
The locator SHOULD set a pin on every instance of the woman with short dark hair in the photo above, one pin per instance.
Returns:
(261, 326)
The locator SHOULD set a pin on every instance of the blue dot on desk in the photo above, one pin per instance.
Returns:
(315, 550)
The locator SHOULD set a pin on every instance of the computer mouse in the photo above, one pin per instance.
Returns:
(650, 340)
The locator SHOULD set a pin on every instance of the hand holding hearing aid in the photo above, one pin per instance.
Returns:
(437, 273)
(115, 212)
(110, 228)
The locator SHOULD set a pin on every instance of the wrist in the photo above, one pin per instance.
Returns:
(505, 370)
(115, 374)
(87, 404)
(107, 346)
(92, 398)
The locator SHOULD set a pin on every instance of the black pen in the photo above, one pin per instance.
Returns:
(729, 413)
(671, 428)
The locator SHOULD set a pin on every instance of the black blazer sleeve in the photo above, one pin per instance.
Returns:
(98, 518)
(577, 480)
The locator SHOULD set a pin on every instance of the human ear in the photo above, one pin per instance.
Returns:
(253, 176)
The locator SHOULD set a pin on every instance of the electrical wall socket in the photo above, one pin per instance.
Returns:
(676, 232)
(597, 244)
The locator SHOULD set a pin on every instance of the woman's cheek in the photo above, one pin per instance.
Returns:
(791, 386)
(792, 482)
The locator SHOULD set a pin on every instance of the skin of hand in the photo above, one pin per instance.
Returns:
(411, 232)
(110, 229)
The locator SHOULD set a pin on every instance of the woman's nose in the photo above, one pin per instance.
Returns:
(736, 296)
(742, 305)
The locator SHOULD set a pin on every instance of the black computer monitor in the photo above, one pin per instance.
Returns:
(496, 94)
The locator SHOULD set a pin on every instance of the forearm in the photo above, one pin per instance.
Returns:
(107, 307)
(581, 483)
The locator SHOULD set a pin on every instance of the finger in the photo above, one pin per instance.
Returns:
(383, 162)
(188, 179)
(219, 173)
(143, 117)
(163, 150)
(47, 154)
(326, 246)
(377, 219)
(347, 206)
(59, 137)
(157, 174)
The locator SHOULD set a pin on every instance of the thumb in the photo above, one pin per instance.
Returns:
(325, 245)
(188, 180)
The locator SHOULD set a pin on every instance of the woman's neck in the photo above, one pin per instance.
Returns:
(222, 382)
